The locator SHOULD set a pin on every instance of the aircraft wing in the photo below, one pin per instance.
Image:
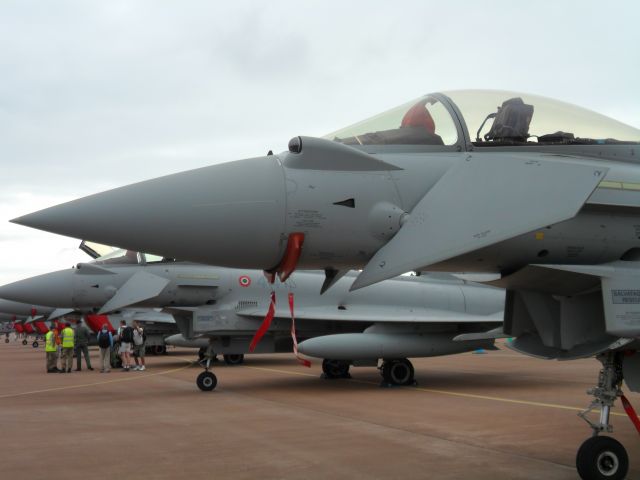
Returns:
(482, 201)
(141, 286)
(378, 315)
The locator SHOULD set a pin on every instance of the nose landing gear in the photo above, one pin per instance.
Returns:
(207, 381)
(603, 457)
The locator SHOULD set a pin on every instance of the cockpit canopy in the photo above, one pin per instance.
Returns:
(487, 118)
(107, 255)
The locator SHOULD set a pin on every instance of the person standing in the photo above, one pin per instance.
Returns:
(125, 337)
(82, 345)
(51, 349)
(67, 348)
(105, 342)
(139, 340)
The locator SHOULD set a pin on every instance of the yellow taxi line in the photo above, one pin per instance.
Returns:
(450, 393)
(117, 380)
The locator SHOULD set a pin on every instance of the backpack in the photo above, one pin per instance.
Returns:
(127, 335)
(103, 340)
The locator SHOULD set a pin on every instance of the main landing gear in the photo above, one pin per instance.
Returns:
(335, 369)
(233, 359)
(207, 380)
(397, 373)
(24, 342)
(602, 457)
(35, 344)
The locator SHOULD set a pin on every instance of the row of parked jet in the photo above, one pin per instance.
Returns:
(544, 194)
(219, 310)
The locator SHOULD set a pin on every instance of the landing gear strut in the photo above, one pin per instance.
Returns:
(602, 457)
(397, 372)
(207, 381)
(335, 369)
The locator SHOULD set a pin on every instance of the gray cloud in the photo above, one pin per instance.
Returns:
(99, 94)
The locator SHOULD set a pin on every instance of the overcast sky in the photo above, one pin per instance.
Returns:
(98, 94)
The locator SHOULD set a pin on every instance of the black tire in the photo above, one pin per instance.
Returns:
(602, 458)
(34, 344)
(335, 368)
(159, 350)
(233, 359)
(6, 340)
(24, 342)
(206, 381)
(398, 372)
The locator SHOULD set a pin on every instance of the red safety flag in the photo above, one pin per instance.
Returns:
(630, 412)
(265, 324)
(303, 361)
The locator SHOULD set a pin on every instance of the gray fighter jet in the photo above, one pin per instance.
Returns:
(221, 309)
(544, 193)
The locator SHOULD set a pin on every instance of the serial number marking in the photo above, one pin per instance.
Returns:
(625, 296)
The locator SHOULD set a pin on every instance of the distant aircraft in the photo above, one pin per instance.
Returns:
(220, 309)
(542, 192)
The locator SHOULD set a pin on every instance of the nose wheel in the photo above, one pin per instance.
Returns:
(397, 373)
(603, 457)
(207, 381)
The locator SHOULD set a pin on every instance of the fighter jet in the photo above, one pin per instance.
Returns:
(28, 320)
(544, 193)
(221, 309)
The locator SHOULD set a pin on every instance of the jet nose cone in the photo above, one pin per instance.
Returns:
(231, 214)
(53, 289)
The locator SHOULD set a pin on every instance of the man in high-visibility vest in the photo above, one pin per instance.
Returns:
(67, 348)
(51, 348)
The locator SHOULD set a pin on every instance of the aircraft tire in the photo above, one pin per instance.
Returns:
(233, 359)
(602, 457)
(6, 340)
(34, 344)
(398, 372)
(24, 342)
(159, 350)
(335, 368)
(206, 381)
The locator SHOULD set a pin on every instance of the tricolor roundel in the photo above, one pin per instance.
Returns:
(244, 281)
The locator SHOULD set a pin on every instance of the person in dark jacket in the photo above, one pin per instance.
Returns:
(82, 345)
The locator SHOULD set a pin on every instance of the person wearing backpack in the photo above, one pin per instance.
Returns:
(125, 336)
(105, 342)
(139, 340)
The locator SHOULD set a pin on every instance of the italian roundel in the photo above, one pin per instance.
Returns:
(244, 281)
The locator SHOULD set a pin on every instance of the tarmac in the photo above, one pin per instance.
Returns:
(471, 416)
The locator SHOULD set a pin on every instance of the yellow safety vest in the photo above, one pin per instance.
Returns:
(50, 342)
(67, 338)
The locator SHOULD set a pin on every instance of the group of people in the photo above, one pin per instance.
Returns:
(62, 343)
